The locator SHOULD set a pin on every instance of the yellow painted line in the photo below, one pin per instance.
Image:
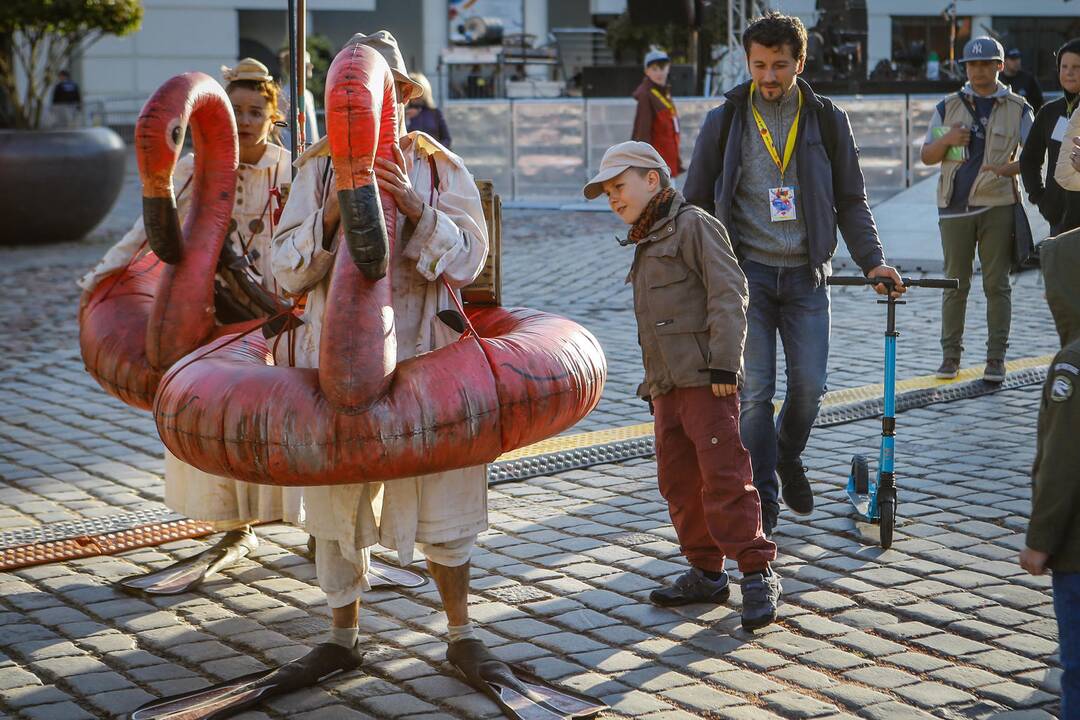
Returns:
(562, 443)
(925, 382)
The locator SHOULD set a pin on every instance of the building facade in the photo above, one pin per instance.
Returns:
(183, 35)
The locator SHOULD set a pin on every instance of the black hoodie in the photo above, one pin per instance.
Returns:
(1055, 477)
(1060, 207)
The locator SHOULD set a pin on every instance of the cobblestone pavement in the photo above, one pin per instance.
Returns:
(943, 625)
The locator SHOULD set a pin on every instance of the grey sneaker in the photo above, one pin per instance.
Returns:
(760, 596)
(692, 587)
(950, 368)
(994, 372)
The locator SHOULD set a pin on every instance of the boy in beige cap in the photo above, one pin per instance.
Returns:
(690, 301)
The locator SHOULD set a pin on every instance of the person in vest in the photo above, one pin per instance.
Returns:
(777, 164)
(311, 118)
(1059, 206)
(656, 120)
(975, 135)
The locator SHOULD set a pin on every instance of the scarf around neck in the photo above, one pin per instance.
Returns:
(657, 209)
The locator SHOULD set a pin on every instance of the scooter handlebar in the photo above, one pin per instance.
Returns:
(940, 283)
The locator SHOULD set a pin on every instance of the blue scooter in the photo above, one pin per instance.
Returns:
(874, 497)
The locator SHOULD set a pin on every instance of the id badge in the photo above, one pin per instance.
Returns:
(1059, 130)
(782, 203)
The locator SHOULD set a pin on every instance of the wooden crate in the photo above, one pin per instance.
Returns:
(487, 288)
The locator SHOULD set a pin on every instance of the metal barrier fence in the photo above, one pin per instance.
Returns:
(543, 151)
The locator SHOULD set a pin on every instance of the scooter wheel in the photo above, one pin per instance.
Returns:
(887, 515)
(860, 471)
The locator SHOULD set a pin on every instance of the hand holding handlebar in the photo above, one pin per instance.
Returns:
(940, 283)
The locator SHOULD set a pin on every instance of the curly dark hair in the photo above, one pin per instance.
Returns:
(774, 30)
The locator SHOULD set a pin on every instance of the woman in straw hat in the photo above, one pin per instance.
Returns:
(244, 289)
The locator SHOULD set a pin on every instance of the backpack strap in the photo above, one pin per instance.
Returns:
(829, 131)
(727, 116)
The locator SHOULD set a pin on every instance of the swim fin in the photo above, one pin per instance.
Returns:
(382, 575)
(234, 696)
(189, 573)
(519, 694)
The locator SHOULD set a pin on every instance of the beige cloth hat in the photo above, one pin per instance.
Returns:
(387, 46)
(622, 157)
(246, 69)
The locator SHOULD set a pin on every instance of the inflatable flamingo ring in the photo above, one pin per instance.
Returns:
(522, 376)
(137, 322)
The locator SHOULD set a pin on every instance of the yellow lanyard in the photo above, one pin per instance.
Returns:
(766, 136)
(667, 103)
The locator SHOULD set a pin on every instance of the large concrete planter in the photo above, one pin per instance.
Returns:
(56, 185)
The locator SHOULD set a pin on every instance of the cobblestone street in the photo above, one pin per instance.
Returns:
(945, 624)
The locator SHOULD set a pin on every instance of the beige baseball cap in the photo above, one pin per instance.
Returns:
(387, 46)
(621, 157)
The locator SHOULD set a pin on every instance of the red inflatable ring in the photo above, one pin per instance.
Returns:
(137, 322)
(360, 417)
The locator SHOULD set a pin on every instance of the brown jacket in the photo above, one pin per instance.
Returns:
(690, 299)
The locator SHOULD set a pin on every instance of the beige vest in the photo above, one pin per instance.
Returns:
(1002, 141)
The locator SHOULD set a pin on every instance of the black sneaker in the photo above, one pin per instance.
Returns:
(760, 596)
(795, 488)
(769, 514)
(692, 587)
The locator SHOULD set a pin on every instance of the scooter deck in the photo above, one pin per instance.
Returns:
(864, 505)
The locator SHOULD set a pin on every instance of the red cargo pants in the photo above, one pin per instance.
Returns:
(704, 473)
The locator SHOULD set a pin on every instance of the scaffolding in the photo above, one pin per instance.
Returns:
(731, 62)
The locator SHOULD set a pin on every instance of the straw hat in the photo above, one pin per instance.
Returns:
(246, 69)
(387, 46)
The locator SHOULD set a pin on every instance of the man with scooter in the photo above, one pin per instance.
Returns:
(778, 166)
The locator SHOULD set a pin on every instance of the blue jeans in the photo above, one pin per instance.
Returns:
(784, 301)
(1067, 609)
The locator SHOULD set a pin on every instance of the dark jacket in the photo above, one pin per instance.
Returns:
(1060, 207)
(1055, 477)
(690, 300)
(432, 122)
(833, 192)
(66, 92)
(1026, 86)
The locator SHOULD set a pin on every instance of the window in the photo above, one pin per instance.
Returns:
(915, 37)
(1038, 38)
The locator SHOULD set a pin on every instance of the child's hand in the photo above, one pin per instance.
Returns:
(1033, 561)
(723, 390)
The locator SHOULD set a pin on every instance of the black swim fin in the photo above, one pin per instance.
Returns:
(234, 696)
(189, 573)
(519, 694)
